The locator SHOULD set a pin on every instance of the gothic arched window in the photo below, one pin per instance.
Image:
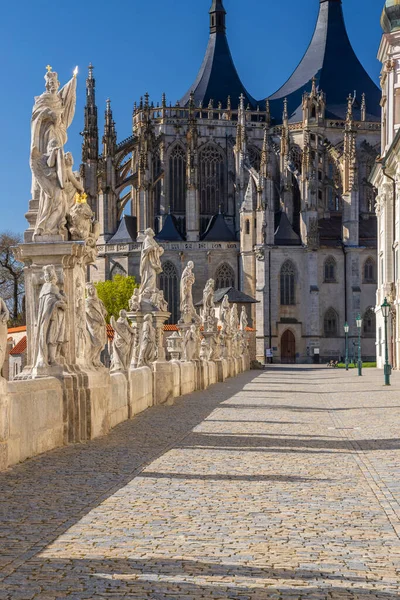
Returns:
(224, 277)
(330, 270)
(177, 180)
(288, 285)
(255, 158)
(212, 181)
(330, 323)
(369, 271)
(169, 285)
(369, 323)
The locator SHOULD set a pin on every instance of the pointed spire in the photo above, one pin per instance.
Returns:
(285, 115)
(264, 154)
(217, 17)
(363, 108)
(110, 136)
(90, 146)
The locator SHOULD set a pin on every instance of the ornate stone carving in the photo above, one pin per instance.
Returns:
(158, 301)
(81, 332)
(50, 323)
(150, 266)
(225, 316)
(188, 311)
(52, 114)
(4, 316)
(134, 302)
(96, 326)
(175, 345)
(208, 312)
(260, 253)
(81, 223)
(148, 345)
(191, 349)
(244, 321)
(123, 343)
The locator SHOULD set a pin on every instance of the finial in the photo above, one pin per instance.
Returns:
(49, 68)
(363, 108)
(285, 109)
(108, 105)
(90, 69)
(146, 99)
(164, 100)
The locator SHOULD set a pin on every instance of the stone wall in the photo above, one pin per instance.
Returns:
(33, 412)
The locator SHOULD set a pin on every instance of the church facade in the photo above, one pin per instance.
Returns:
(271, 197)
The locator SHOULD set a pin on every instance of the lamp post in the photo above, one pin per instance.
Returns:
(387, 368)
(359, 325)
(346, 331)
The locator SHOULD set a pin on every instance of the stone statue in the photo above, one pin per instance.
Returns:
(244, 322)
(208, 312)
(148, 346)
(52, 114)
(158, 301)
(72, 185)
(96, 326)
(50, 323)
(134, 302)
(4, 316)
(150, 265)
(123, 343)
(81, 223)
(191, 350)
(188, 311)
(81, 332)
(225, 316)
(234, 318)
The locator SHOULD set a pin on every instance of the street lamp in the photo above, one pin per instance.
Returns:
(359, 325)
(346, 331)
(387, 368)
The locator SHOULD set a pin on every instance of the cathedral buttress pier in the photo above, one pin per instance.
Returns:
(270, 197)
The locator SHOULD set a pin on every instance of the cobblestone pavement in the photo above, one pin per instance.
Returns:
(282, 484)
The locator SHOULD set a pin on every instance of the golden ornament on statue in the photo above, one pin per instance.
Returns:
(81, 198)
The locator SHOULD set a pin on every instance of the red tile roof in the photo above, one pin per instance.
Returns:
(19, 348)
(17, 329)
(110, 333)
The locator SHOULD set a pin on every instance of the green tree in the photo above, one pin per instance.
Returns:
(12, 277)
(116, 294)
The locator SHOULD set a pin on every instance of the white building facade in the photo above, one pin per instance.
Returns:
(386, 179)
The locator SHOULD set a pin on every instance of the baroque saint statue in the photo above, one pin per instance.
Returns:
(52, 114)
(148, 346)
(123, 343)
(96, 326)
(244, 322)
(4, 316)
(50, 323)
(150, 265)
(208, 313)
(188, 311)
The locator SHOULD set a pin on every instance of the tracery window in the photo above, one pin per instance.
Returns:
(212, 181)
(288, 285)
(369, 323)
(177, 180)
(224, 277)
(254, 158)
(369, 271)
(169, 285)
(330, 270)
(330, 323)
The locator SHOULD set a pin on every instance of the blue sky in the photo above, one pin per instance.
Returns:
(138, 46)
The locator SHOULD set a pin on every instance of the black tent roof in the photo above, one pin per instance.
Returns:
(284, 234)
(169, 232)
(218, 230)
(331, 59)
(126, 232)
(218, 78)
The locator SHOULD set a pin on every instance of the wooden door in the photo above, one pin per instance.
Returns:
(288, 348)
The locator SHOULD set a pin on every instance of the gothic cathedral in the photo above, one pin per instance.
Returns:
(270, 197)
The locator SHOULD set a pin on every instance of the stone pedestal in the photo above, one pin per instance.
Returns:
(82, 415)
(166, 378)
(141, 390)
(222, 370)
